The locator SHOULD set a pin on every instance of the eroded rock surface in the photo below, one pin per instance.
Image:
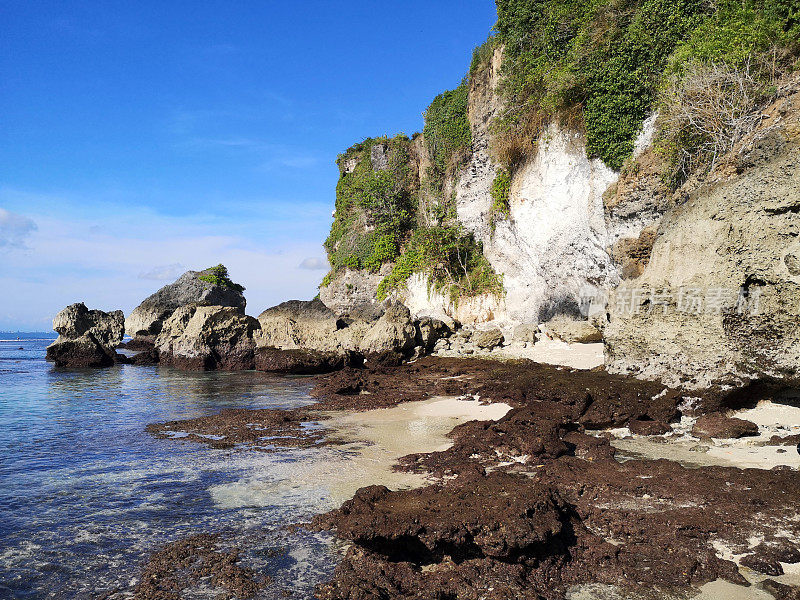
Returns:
(147, 319)
(718, 299)
(208, 337)
(86, 338)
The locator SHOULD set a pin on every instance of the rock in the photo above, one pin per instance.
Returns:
(313, 326)
(430, 331)
(299, 324)
(789, 440)
(147, 319)
(763, 564)
(780, 591)
(792, 264)
(77, 320)
(422, 525)
(719, 426)
(573, 332)
(138, 344)
(725, 248)
(144, 358)
(299, 362)
(488, 339)
(80, 352)
(87, 338)
(394, 331)
(526, 333)
(351, 295)
(638, 427)
(207, 338)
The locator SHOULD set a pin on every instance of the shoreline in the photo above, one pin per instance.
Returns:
(556, 435)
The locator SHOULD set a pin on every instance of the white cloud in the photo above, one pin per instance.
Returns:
(314, 264)
(164, 272)
(141, 249)
(14, 229)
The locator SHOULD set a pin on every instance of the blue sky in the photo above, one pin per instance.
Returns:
(141, 139)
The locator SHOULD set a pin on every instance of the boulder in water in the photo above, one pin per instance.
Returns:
(205, 338)
(87, 338)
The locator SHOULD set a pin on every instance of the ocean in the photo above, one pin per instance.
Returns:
(86, 494)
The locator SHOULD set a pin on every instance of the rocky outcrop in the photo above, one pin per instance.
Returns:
(718, 299)
(208, 337)
(312, 326)
(719, 426)
(147, 319)
(393, 332)
(488, 339)
(572, 331)
(86, 338)
(301, 362)
(353, 294)
(299, 324)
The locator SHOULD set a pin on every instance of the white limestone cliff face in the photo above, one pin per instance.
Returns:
(551, 250)
(424, 301)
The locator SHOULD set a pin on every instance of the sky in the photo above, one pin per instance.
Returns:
(142, 139)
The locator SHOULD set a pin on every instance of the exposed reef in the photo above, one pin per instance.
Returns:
(539, 501)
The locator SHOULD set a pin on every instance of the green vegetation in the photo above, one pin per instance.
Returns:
(375, 204)
(595, 66)
(219, 276)
(500, 192)
(599, 64)
(379, 218)
(447, 135)
(452, 259)
(481, 55)
(720, 78)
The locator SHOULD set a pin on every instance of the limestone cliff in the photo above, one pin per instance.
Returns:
(583, 160)
(719, 299)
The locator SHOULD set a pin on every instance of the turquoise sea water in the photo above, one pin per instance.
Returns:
(86, 494)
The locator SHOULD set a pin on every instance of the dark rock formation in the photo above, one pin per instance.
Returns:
(87, 338)
(642, 427)
(720, 426)
(300, 362)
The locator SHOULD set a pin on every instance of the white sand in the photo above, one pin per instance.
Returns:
(324, 478)
(551, 352)
(749, 452)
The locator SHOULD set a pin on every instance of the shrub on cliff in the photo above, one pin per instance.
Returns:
(375, 204)
(598, 61)
(448, 141)
(451, 258)
(218, 275)
(599, 65)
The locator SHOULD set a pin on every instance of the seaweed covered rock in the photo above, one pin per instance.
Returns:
(86, 338)
(210, 287)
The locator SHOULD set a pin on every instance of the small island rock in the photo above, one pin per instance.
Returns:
(147, 319)
(86, 338)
